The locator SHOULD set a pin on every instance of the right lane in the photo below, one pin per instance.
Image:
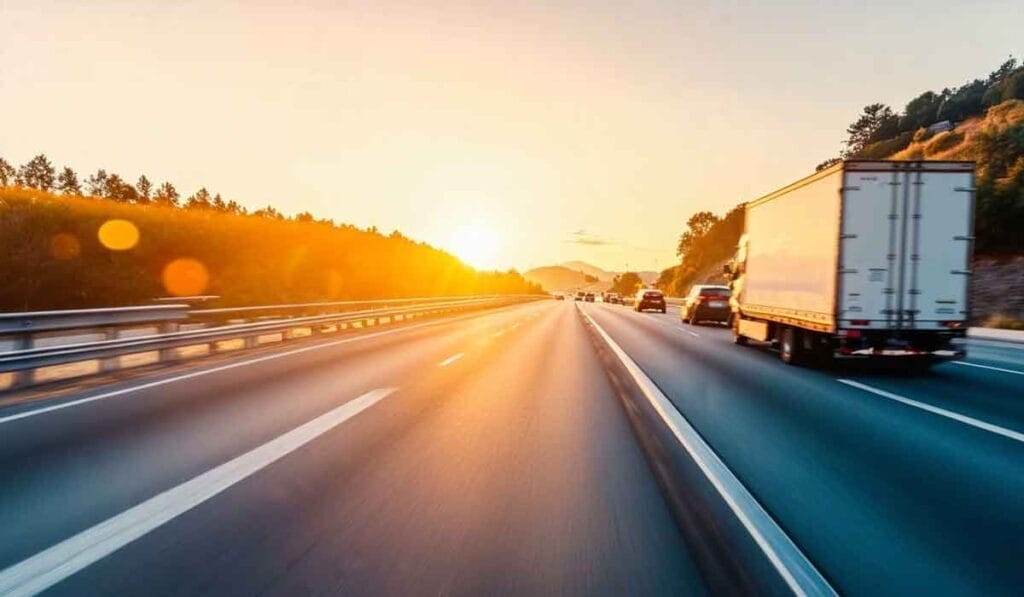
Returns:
(884, 497)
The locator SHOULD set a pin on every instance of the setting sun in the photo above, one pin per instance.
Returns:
(476, 244)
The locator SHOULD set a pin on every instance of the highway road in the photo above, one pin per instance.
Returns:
(486, 454)
(891, 483)
(490, 453)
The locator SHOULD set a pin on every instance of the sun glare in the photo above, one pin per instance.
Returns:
(477, 245)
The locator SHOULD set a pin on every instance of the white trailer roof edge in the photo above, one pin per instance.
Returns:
(869, 166)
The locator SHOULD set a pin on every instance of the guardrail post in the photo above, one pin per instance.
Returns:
(25, 377)
(110, 363)
(168, 354)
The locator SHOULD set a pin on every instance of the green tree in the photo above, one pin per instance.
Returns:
(167, 195)
(144, 189)
(921, 111)
(97, 183)
(67, 182)
(200, 200)
(38, 173)
(626, 284)
(697, 226)
(218, 203)
(119, 190)
(7, 173)
(876, 122)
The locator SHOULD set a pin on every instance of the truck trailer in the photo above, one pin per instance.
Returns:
(863, 259)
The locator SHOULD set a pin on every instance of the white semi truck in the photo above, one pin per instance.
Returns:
(862, 259)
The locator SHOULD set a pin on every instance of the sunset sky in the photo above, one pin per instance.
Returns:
(514, 134)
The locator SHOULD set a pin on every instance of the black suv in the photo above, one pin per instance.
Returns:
(649, 299)
(706, 303)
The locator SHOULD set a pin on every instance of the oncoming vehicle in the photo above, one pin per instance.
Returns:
(613, 298)
(706, 303)
(589, 297)
(559, 296)
(649, 299)
(580, 295)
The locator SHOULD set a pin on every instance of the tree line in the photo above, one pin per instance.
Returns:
(40, 174)
(54, 255)
(879, 131)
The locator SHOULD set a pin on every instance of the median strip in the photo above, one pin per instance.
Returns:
(938, 411)
(47, 568)
(794, 568)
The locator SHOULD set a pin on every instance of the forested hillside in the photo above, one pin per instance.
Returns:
(981, 120)
(118, 244)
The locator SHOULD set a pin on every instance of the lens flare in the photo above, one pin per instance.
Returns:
(65, 246)
(185, 277)
(118, 235)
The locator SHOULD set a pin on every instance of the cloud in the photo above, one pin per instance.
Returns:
(582, 237)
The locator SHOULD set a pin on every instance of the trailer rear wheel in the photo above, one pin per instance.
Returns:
(791, 347)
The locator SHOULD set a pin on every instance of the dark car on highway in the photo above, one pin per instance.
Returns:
(706, 303)
(590, 297)
(649, 299)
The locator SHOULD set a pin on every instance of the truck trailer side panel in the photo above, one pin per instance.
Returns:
(791, 244)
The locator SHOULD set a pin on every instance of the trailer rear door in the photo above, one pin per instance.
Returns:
(905, 244)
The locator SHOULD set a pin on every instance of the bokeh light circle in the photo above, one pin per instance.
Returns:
(185, 277)
(118, 235)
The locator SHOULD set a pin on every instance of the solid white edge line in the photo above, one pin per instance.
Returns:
(966, 364)
(50, 566)
(276, 355)
(450, 360)
(803, 578)
(936, 410)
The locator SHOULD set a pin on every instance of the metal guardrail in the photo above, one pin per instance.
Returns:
(39, 321)
(24, 328)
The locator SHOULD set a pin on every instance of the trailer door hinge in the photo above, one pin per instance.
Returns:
(967, 238)
(962, 272)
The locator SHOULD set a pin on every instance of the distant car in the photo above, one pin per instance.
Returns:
(581, 295)
(613, 298)
(589, 297)
(706, 303)
(649, 299)
(559, 296)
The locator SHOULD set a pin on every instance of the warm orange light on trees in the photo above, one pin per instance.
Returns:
(65, 246)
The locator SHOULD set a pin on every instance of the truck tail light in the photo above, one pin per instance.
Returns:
(850, 333)
(953, 324)
(859, 322)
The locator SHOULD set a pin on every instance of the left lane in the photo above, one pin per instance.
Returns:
(65, 470)
(487, 472)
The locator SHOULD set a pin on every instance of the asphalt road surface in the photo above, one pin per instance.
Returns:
(890, 482)
(489, 454)
(482, 455)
